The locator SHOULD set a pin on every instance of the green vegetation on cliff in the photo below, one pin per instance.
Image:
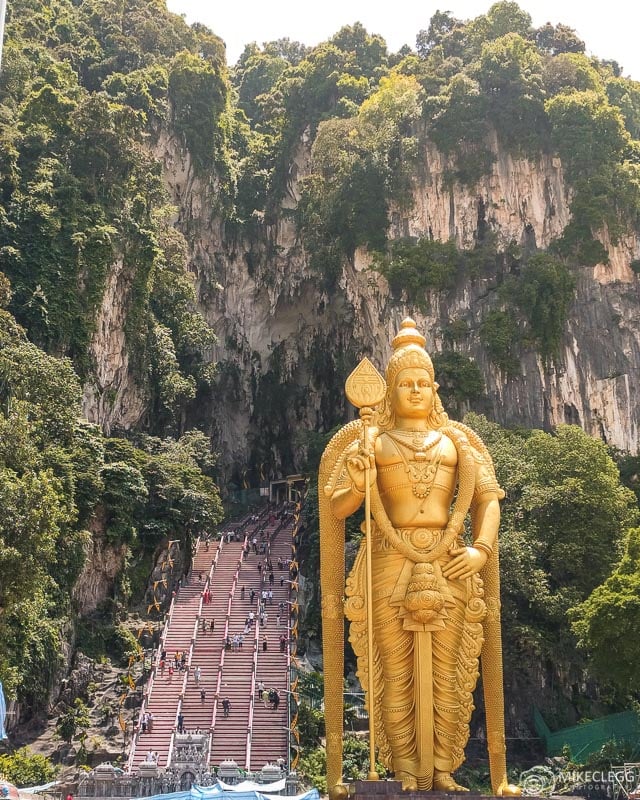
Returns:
(85, 89)
(368, 117)
(62, 484)
(94, 94)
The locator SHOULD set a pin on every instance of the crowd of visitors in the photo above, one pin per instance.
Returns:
(263, 618)
(268, 696)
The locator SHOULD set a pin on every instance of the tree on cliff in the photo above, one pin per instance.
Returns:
(608, 621)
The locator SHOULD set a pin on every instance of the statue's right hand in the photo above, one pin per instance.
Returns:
(357, 466)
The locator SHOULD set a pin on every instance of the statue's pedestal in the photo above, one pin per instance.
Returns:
(392, 790)
(387, 789)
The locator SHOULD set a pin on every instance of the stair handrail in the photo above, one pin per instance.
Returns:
(185, 679)
(271, 536)
(167, 621)
(181, 695)
(198, 621)
(214, 564)
(294, 532)
(172, 742)
(216, 697)
(136, 734)
(221, 664)
(252, 696)
(200, 604)
(284, 525)
(216, 692)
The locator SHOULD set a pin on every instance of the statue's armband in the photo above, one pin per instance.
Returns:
(486, 483)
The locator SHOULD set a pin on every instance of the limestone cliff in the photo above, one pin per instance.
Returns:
(113, 397)
(278, 326)
(103, 563)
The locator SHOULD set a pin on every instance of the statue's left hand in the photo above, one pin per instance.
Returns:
(466, 562)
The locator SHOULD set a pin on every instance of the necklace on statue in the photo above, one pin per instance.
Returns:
(418, 441)
(420, 471)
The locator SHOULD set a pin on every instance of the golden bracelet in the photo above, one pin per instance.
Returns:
(484, 546)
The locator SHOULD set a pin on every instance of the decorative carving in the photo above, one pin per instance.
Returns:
(332, 607)
(365, 386)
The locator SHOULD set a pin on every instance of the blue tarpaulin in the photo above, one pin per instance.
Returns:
(3, 714)
(218, 793)
(43, 787)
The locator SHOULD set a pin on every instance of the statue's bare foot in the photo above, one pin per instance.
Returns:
(443, 782)
(507, 789)
(409, 782)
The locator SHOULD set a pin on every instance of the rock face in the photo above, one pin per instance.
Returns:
(286, 341)
(113, 396)
(520, 200)
(103, 562)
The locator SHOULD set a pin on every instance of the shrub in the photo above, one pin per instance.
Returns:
(499, 332)
(26, 768)
(414, 268)
(460, 379)
(543, 292)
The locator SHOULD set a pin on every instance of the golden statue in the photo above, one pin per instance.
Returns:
(422, 604)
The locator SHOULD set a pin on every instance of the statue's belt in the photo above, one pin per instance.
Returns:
(421, 539)
(394, 589)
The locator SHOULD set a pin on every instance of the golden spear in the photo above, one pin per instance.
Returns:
(365, 388)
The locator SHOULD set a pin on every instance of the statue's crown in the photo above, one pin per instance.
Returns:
(408, 334)
(408, 351)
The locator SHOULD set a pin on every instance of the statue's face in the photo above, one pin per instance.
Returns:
(413, 393)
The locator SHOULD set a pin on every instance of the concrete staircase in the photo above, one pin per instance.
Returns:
(270, 727)
(239, 736)
(251, 734)
(163, 691)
